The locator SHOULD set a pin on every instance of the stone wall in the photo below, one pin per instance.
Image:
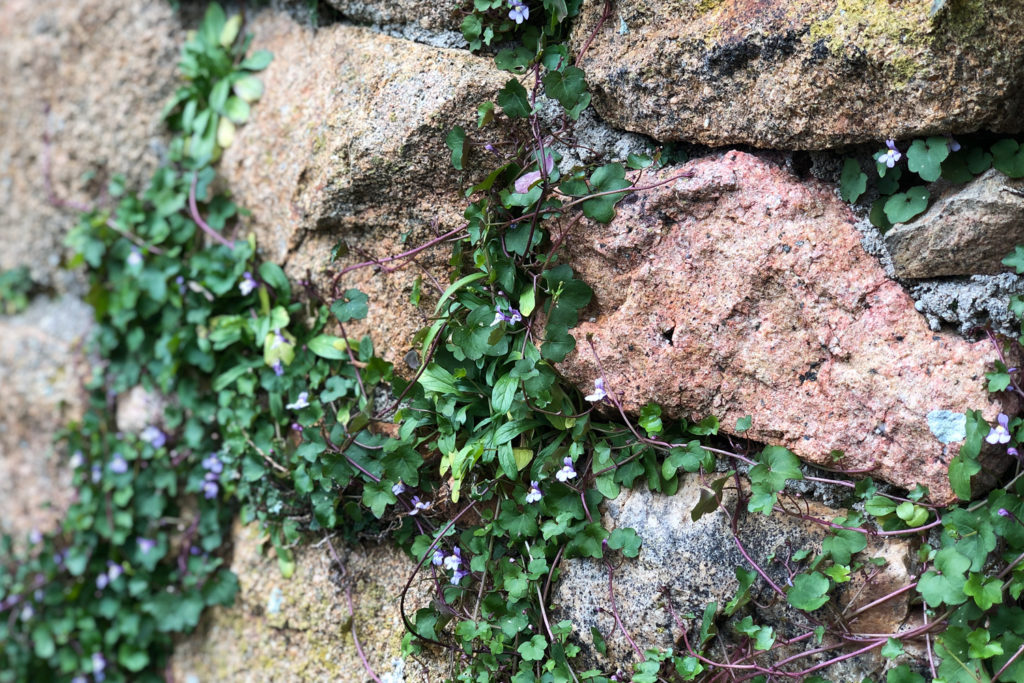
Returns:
(745, 288)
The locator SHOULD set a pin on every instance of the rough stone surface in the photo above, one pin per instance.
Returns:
(299, 629)
(807, 74)
(419, 20)
(742, 291)
(971, 304)
(348, 146)
(966, 231)
(41, 369)
(697, 561)
(104, 68)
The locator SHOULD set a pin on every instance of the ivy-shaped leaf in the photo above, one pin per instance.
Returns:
(605, 179)
(456, 142)
(944, 584)
(925, 157)
(514, 100)
(852, 181)
(809, 591)
(901, 207)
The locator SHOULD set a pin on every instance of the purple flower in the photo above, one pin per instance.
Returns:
(453, 561)
(35, 537)
(520, 12)
(153, 436)
(890, 157)
(134, 259)
(27, 613)
(953, 145)
(438, 559)
(1012, 451)
(567, 472)
(210, 489)
(247, 284)
(118, 465)
(418, 505)
(114, 570)
(76, 460)
(97, 474)
(277, 368)
(398, 488)
(525, 182)
(1003, 512)
(513, 316)
(599, 392)
(279, 338)
(458, 575)
(79, 679)
(489, 147)
(99, 662)
(146, 545)
(296, 427)
(534, 494)
(213, 464)
(1000, 433)
(101, 581)
(300, 403)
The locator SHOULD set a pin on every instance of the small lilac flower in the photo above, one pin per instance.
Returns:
(118, 465)
(79, 679)
(76, 460)
(279, 338)
(296, 427)
(453, 561)
(525, 182)
(892, 156)
(34, 537)
(418, 505)
(519, 13)
(398, 488)
(599, 392)
(489, 147)
(513, 316)
(438, 559)
(27, 613)
(458, 575)
(567, 472)
(534, 494)
(97, 474)
(212, 463)
(58, 559)
(114, 570)
(181, 284)
(247, 284)
(953, 145)
(134, 259)
(277, 368)
(146, 545)
(101, 581)
(153, 436)
(99, 662)
(1003, 512)
(210, 489)
(300, 403)
(999, 433)
(1012, 451)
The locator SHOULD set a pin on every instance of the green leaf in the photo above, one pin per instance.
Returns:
(650, 419)
(879, 506)
(743, 424)
(249, 88)
(925, 157)
(742, 595)
(237, 110)
(566, 86)
(605, 179)
(351, 306)
(877, 215)
(272, 274)
(42, 641)
(1016, 260)
(626, 540)
(945, 583)
(903, 674)
(769, 477)
(436, 379)
(533, 649)
(901, 207)
(503, 393)
(514, 100)
(986, 592)
(257, 61)
(763, 636)
(1008, 158)
(892, 648)
(809, 591)
(328, 346)
(852, 181)
(456, 142)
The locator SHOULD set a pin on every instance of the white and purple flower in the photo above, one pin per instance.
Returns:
(567, 472)
(534, 494)
(599, 392)
(1000, 433)
(248, 284)
(153, 436)
(513, 316)
(520, 12)
(118, 465)
(418, 505)
(891, 157)
(301, 402)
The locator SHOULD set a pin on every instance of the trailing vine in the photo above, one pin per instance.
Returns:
(484, 465)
